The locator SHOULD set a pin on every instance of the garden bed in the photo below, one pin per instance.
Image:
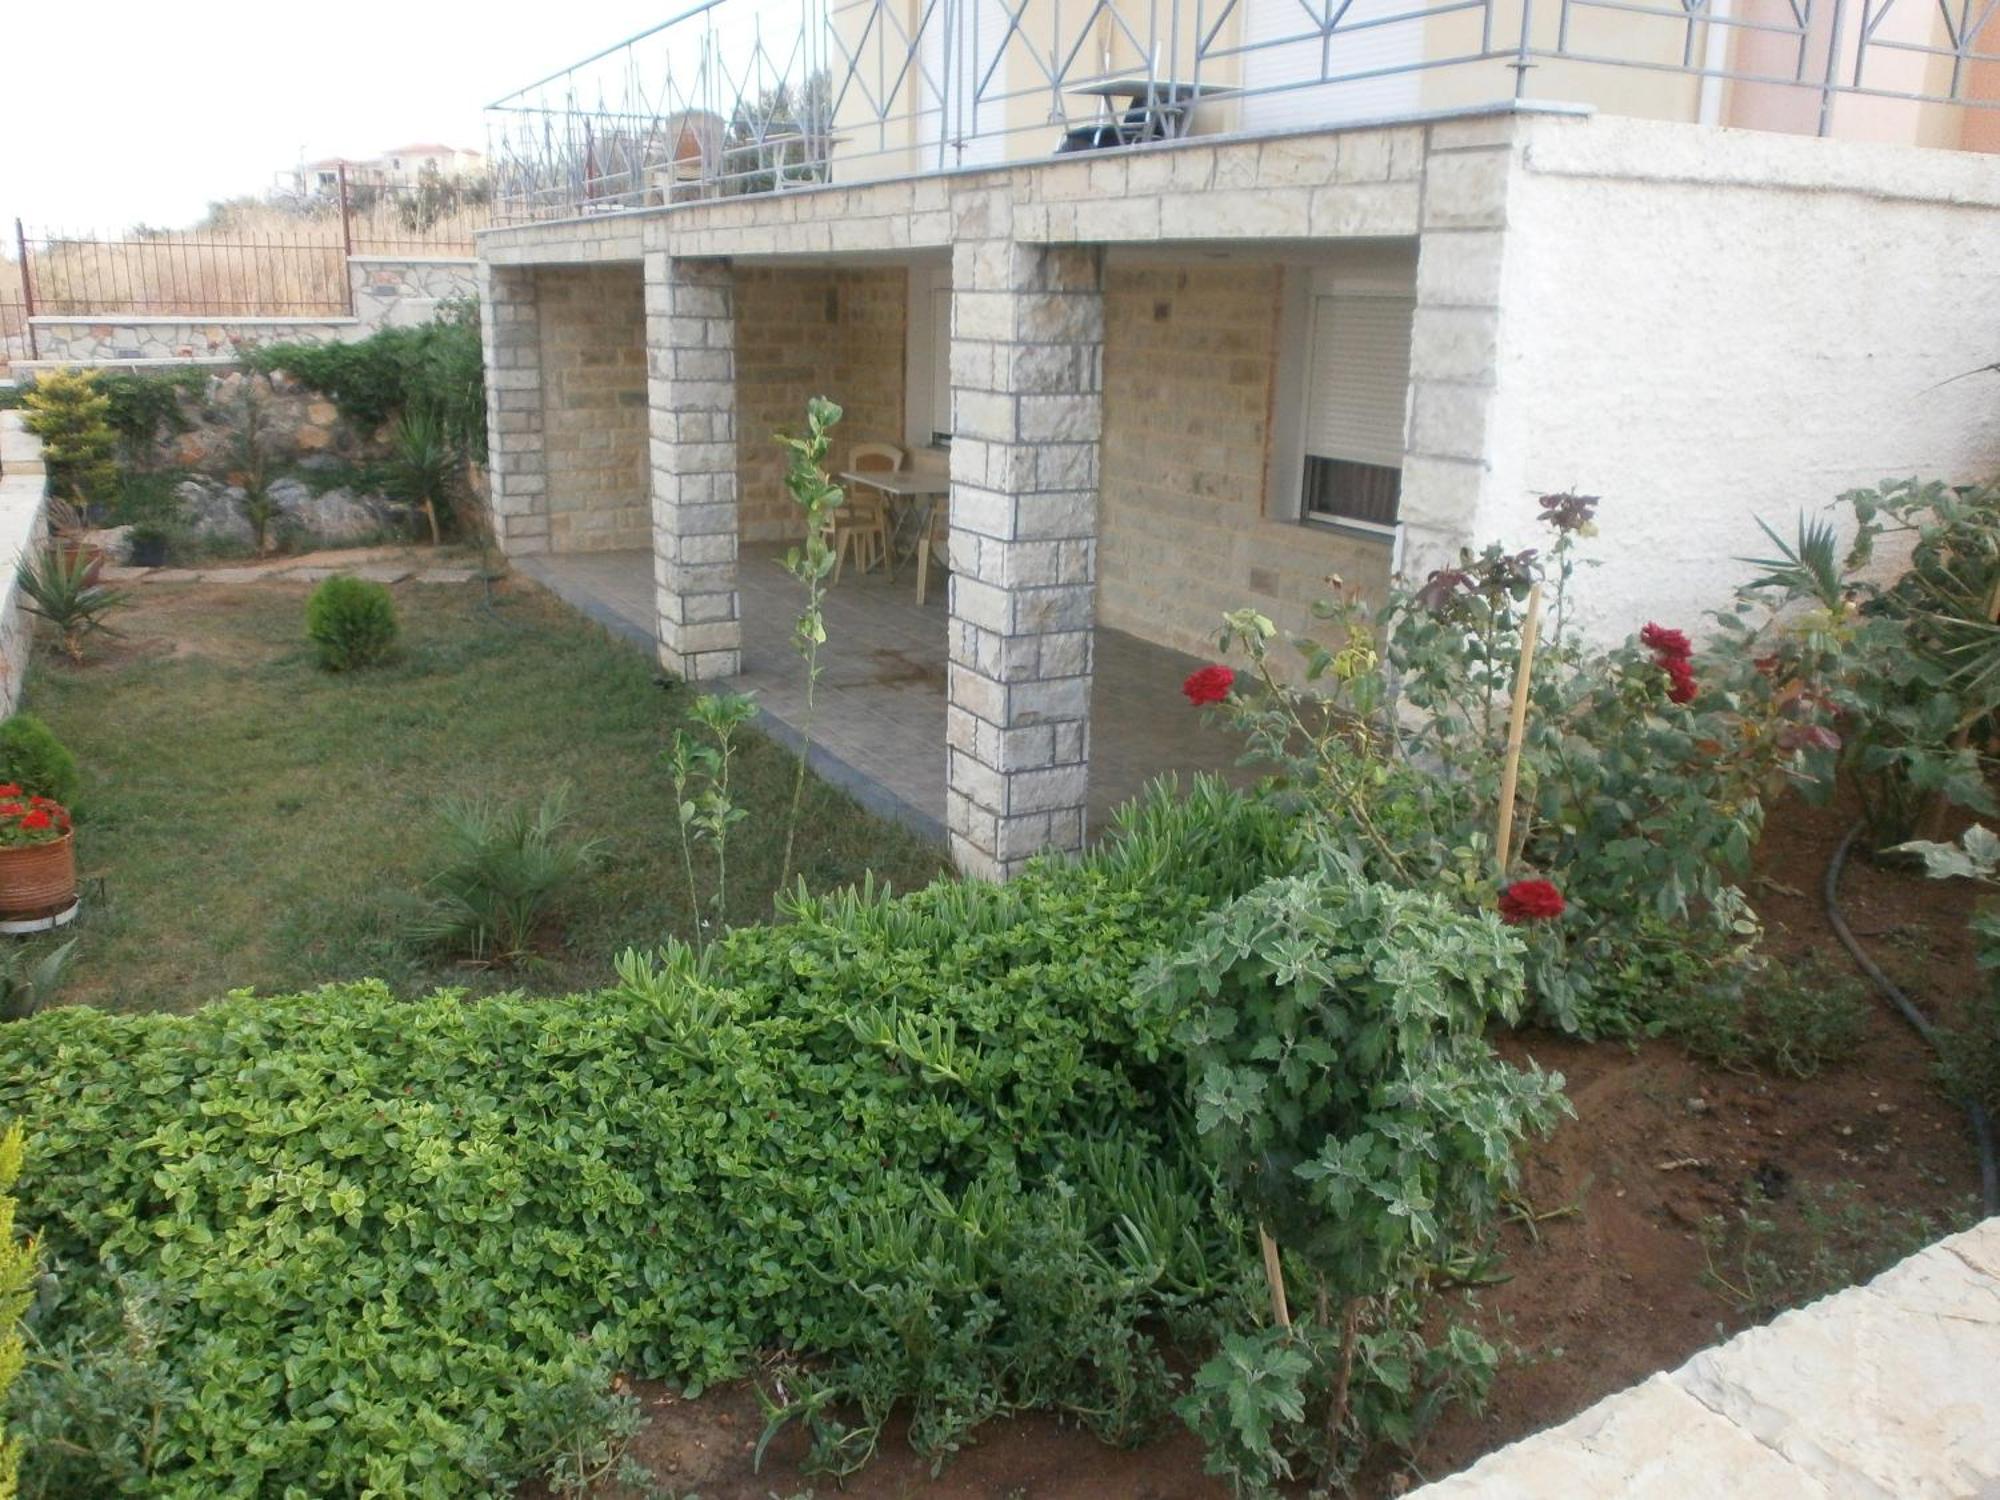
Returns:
(1594, 1300)
(252, 821)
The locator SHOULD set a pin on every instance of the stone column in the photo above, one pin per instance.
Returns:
(691, 386)
(1027, 396)
(510, 339)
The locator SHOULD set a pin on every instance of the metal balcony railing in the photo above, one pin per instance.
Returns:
(758, 96)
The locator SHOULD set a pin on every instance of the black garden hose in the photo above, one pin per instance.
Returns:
(1982, 1123)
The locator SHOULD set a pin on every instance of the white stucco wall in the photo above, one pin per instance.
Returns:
(1706, 326)
(23, 505)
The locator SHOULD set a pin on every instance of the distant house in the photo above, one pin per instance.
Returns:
(400, 166)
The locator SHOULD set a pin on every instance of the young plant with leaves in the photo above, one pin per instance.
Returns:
(250, 466)
(817, 497)
(504, 878)
(705, 812)
(1342, 1083)
(17, 1284)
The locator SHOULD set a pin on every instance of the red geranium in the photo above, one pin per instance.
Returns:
(1530, 901)
(39, 820)
(10, 790)
(1210, 684)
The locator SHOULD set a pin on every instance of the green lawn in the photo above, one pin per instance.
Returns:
(250, 821)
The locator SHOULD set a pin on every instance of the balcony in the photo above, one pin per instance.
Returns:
(742, 97)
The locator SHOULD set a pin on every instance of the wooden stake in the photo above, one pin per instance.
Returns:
(1517, 720)
(1274, 1274)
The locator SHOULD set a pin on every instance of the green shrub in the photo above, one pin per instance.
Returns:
(437, 368)
(144, 404)
(17, 1284)
(36, 761)
(1341, 1082)
(351, 621)
(68, 410)
(503, 878)
(387, 1241)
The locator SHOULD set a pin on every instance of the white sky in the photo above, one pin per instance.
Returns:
(120, 112)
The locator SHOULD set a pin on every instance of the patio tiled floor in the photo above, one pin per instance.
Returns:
(880, 721)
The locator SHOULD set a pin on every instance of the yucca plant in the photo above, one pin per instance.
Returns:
(504, 879)
(423, 465)
(24, 989)
(60, 585)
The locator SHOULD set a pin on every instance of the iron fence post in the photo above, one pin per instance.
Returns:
(346, 242)
(27, 289)
(1830, 80)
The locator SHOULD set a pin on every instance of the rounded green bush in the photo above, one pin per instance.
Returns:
(352, 622)
(36, 761)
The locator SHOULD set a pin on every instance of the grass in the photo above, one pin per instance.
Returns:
(249, 821)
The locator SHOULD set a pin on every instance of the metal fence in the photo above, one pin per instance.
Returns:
(284, 257)
(751, 96)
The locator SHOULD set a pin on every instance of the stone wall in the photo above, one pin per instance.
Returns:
(591, 323)
(1190, 369)
(813, 331)
(23, 497)
(297, 423)
(387, 292)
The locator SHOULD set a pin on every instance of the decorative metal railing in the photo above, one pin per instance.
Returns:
(755, 96)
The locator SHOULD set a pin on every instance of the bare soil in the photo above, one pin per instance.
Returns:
(1608, 1288)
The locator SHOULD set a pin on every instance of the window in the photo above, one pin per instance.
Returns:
(1337, 449)
(927, 405)
(1357, 385)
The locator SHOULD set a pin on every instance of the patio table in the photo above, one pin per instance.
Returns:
(910, 499)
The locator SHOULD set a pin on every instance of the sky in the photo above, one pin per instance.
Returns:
(121, 113)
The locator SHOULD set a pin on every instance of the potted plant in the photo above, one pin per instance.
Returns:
(37, 857)
(146, 545)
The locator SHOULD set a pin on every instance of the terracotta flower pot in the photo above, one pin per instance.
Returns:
(88, 553)
(37, 880)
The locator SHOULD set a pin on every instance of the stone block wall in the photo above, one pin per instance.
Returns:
(591, 327)
(813, 331)
(1190, 373)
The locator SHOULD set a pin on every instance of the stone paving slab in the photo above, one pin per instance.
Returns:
(1886, 1390)
(376, 564)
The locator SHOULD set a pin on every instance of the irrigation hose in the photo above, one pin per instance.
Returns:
(1982, 1124)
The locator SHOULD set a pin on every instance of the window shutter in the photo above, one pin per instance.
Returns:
(1360, 378)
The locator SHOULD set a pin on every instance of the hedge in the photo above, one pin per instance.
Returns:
(387, 1241)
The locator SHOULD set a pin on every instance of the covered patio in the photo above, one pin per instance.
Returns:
(880, 722)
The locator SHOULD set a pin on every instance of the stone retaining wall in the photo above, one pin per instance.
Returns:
(1892, 1388)
(23, 498)
(387, 292)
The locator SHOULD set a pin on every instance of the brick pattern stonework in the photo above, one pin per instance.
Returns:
(1027, 387)
(1190, 372)
(691, 372)
(812, 331)
(511, 340)
(592, 329)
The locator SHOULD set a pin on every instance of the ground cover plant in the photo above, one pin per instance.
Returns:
(341, 1240)
(255, 822)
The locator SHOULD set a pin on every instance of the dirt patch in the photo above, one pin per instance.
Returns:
(1600, 1293)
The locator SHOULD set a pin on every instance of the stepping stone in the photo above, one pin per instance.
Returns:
(446, 575)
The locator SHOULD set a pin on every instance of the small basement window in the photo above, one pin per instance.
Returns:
(1337, 443)
(1357, 391)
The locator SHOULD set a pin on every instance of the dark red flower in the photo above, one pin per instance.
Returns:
(1530, 901)
(1665, 642)
(1681, 686)
(1210, 684)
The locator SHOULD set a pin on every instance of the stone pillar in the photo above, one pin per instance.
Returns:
(510, 338)
(691, 385)
(1027, 397)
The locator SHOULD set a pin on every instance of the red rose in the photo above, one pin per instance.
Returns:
(1671, 643)
(36, 819)
(1530, 901)
(1681, 686)
(1210, 684)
